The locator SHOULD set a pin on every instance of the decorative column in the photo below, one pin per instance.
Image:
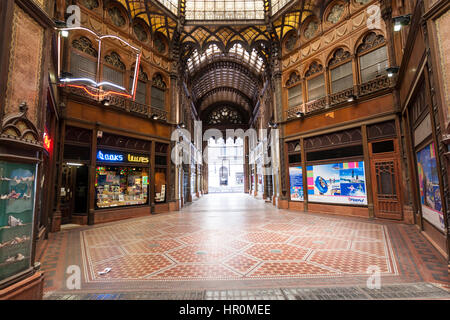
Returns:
(281, 192)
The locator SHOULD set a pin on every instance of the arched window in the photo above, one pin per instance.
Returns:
(295, 94)
(83, 59)
(341, 72)
(373, 58)
(141, 87)
(113, 69)
(158, 92)
(315, 81)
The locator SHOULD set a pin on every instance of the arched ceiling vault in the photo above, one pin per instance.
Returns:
(224, 94)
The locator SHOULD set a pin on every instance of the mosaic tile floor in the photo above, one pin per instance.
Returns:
(237, 242)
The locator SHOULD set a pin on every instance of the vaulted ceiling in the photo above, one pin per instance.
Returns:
(224, 45)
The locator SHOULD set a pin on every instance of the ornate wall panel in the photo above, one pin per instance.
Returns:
(24, 73)
(443, 33)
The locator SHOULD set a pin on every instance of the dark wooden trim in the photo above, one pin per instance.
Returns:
(36, 12)
(6, 19)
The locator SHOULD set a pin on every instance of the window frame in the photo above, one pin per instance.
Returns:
(123, 72)
(337, 65)
(359, 55)
(318, 74)
(84, 54)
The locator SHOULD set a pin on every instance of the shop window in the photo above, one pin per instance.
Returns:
(121, 186)
(295, 96)
(160, 185)
(373, 58)
(382, 147)
(316, 88)
(345, 152)
(161, 160)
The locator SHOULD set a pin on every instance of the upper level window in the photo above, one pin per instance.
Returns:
(316, 82)
(341, 72)
(295, 94)
(158, 92)
(141, 87)
(172, 5)
(373, 58)
(113, 69)
(83, 60)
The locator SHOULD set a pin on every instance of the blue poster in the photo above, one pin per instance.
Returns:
(296, 181)
(430, 192)
(337, 183)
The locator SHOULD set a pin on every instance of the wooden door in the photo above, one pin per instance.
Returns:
(384, 163)
(67, 193)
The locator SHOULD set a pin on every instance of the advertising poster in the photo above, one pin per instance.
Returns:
(430, 194)
(340, 183)
(296, 181)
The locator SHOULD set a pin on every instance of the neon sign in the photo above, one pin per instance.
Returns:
(132, 158)
(109, 156)
(47, 141)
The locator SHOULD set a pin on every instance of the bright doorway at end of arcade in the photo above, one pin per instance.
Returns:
(225, 166)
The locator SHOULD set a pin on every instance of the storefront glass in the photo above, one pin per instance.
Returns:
(340, 183)
(17, 186)
(121, 186)
(296, 182)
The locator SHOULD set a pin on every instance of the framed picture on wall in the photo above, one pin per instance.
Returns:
(429, 188)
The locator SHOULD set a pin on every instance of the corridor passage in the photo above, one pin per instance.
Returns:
(234, 246)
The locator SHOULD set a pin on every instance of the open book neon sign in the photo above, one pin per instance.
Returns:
(86, 83)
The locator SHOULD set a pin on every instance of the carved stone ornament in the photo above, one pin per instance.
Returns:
(339, 56)
(336, 13)
(114, 60)
(224, 115)
(18, 128)
(116, 16)
(158, 82)
(314, 68)
(290, 41)
(85, 45)
(311, 30)
(91, 4)
(362, 2)
(370, 41)
(142, 76)
(293, 78)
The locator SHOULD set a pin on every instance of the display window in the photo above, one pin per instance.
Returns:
(17, 192)
(338, 183)
(296, 183)
(121, 186)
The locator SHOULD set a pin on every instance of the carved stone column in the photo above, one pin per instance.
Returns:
(281, 192)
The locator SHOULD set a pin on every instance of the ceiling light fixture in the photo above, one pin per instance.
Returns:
(106, 102)
(299, 114)
(351, 98)
(401, 21)
(392, 71)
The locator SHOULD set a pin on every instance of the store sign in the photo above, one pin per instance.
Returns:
(340, 183)
(112, 156)
(139, 159)
(296, 182)
(430, 192)
(47, 141)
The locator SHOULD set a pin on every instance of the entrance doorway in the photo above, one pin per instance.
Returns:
(74, 192)
(225, 166)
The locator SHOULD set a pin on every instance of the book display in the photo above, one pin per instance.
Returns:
(17, 186)
(121, 186)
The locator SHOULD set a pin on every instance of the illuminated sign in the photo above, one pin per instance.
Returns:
(47, 141)
(113, 156)
(139, 159)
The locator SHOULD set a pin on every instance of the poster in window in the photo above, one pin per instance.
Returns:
(340, 183)
(296, 182)
(430, 193)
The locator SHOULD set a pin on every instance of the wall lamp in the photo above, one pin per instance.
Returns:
(272, 124)
(106, 102)
(299, 114)
(351, 98)
(391, 71)
(401, 21)
(155, 117)
(181, 125)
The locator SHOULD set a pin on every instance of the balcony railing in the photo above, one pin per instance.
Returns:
(121, 103)
(340, 97)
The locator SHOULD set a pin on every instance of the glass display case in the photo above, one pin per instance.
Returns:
(121, 186)
(17, 189)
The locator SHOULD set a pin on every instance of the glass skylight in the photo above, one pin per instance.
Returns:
(277, 5)
(224, 9)
(172, 5)
(237, 51)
